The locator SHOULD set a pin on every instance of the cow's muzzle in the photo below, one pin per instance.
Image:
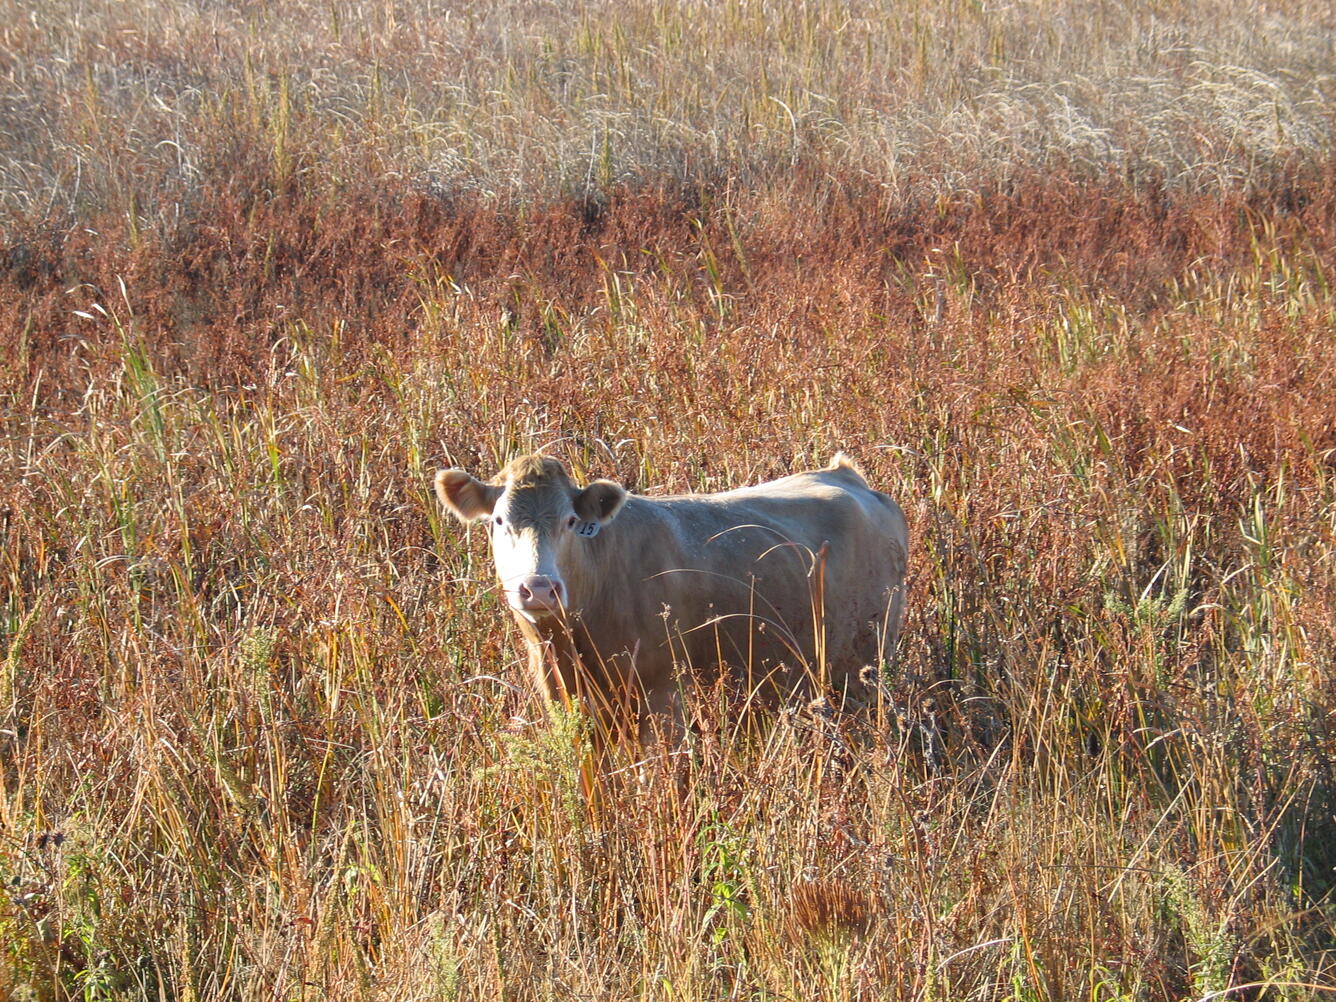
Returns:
(536, 595)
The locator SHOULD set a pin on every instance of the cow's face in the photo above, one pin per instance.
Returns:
(540, 525)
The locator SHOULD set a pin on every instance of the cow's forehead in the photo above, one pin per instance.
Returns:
(535, 503)
(536, 488)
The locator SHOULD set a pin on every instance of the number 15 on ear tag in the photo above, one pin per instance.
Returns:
(587, 529)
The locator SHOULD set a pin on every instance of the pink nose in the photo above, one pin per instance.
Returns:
(539, 593)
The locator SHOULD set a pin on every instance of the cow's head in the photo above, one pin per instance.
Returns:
(540, 524)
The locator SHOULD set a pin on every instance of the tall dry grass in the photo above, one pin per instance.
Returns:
(133, 107)
(263, 733)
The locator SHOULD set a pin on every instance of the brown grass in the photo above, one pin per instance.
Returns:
(263, 731)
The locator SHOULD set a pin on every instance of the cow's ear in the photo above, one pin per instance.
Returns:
(600, 501)
(464, 497)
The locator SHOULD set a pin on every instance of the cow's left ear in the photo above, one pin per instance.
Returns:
(600, 501)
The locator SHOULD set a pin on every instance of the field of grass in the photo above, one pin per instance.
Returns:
(1058, 275)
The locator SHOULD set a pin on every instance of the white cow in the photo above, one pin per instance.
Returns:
(791, 587)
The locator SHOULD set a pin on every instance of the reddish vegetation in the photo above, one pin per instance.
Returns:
(852, 279)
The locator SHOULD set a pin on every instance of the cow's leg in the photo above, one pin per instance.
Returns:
(553, 671)
(662, 716)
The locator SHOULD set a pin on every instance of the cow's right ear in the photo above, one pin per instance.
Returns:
(465, 497)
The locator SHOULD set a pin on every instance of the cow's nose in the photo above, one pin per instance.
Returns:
(539, 592)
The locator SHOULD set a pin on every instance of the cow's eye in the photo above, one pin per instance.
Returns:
(499, 520)
(570, 521)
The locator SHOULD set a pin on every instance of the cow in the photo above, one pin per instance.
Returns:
(792, 588)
